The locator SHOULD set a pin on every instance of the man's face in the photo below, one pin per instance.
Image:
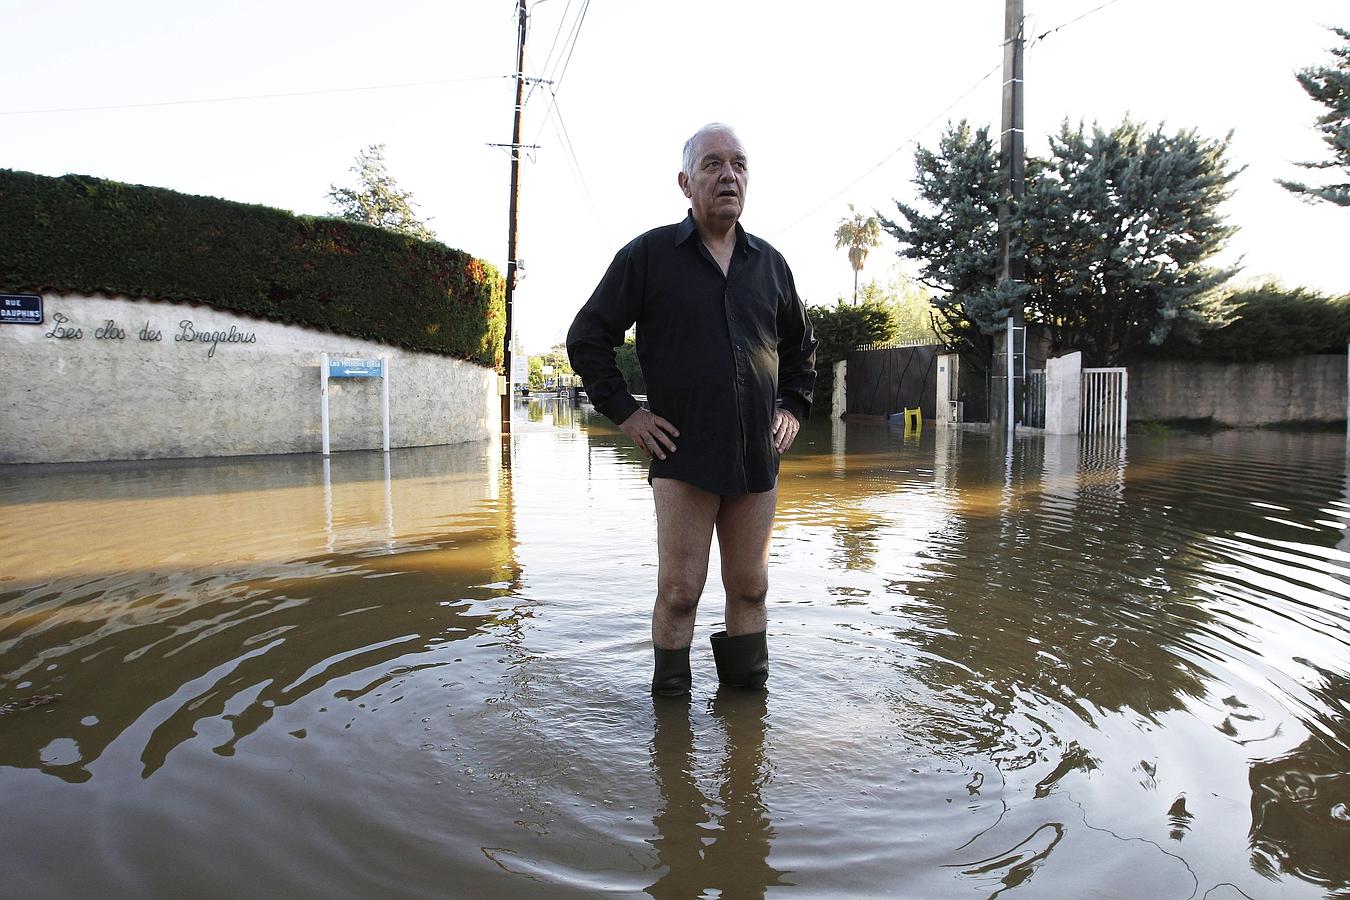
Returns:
(716, 187)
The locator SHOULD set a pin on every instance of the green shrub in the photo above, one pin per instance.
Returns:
(78, 234)
(1271, 322)
(841, 328)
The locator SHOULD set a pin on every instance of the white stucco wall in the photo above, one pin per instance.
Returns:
(100, 396)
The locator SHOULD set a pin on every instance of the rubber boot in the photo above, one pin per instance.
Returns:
(671, 677)
(743, 660)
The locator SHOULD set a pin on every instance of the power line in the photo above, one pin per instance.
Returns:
(576, 32)
(561, 69)
(887, 158)
(914, 137)
(544, 68)
(575, 164)
(350, 90)
(1045, 34)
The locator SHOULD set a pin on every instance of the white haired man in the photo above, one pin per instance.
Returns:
(728, 355)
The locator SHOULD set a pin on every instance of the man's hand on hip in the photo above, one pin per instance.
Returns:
(785, 428)
(651, 433)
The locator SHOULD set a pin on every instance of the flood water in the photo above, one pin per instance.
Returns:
(1075, 669)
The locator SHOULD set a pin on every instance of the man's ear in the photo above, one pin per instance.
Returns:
(683, 179)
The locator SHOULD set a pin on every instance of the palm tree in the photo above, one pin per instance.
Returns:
(859, 234)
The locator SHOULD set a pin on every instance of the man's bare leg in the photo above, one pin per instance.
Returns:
(685, 516)
(742, 651)
(744, 525)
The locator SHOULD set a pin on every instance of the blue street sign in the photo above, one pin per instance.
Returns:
(355, 368)
(20, 309)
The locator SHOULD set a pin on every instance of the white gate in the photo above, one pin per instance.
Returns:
(1105, 401)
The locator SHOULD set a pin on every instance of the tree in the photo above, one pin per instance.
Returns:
(956, 245)
(555, 357)
(626, 359)
(841, 328)
(378, 200)
(1269, 321)
(910, 306)
(859, 234)
(1330, 86)
(1116, 228)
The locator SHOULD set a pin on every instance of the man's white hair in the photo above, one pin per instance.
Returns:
(691, 145)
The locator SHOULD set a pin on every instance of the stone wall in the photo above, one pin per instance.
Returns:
(116, 378)
(1297, 389)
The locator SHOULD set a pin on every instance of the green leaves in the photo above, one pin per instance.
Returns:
(378, 200)
(87, 235)
(1116, 227)
(1330, 86)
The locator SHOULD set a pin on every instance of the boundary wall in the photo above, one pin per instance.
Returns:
(1299, 389)
(119, 378)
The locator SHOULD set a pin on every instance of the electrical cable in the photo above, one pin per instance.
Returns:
(544, 68)
(1043, 35)
(575, 164)
(350, 90)
(914, 137)
(887, 158)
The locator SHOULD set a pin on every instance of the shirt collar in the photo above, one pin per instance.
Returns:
(685, 229)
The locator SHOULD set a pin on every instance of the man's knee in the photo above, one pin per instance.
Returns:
(678, 597)
(748, 591)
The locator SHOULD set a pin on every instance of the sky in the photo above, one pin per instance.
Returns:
(269, 102)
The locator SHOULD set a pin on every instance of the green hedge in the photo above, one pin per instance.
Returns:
(1271, 322)
(78, 234)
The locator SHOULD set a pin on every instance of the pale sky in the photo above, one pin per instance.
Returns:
(828, 98)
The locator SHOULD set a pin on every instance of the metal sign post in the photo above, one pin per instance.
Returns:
(347, 367)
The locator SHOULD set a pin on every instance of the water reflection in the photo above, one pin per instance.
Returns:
(190, 591)
(706, 844)
(1049, 668)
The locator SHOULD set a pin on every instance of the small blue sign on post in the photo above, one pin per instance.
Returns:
(20, 309)
(339, 367)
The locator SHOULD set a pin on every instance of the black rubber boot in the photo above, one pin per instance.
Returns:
(671, 676)
(743, 660)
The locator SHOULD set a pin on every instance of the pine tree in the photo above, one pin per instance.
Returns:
(956, 240)
(1330, 86)
(1118, 228)
(378, 200)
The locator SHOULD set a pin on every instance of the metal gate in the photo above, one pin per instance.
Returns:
(1105, 401)
(1033, 399)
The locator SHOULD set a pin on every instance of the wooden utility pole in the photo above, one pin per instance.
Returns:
(1012, 155)
(512, 215)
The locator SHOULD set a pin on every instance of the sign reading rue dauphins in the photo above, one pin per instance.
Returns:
(20, 309)
(63, 329)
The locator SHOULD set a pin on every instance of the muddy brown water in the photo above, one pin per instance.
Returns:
(1075, 669)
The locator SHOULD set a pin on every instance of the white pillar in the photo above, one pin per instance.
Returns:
(946, 367)
(384, 399)
(323, 399)
(1063, 393)
(839, 402)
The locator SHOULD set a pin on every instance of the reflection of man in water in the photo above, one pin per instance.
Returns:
(728, 357)
(720, 844)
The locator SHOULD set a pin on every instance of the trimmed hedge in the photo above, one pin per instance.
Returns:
(1272, 322)
(78, 234)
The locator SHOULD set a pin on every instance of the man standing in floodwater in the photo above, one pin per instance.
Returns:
(729, 359)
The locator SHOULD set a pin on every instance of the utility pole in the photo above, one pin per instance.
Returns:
(512, 216)
(1012, 155)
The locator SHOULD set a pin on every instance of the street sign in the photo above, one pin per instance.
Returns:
(20, 309)
(340, 367)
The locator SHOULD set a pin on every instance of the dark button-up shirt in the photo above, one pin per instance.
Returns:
(718, 352)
